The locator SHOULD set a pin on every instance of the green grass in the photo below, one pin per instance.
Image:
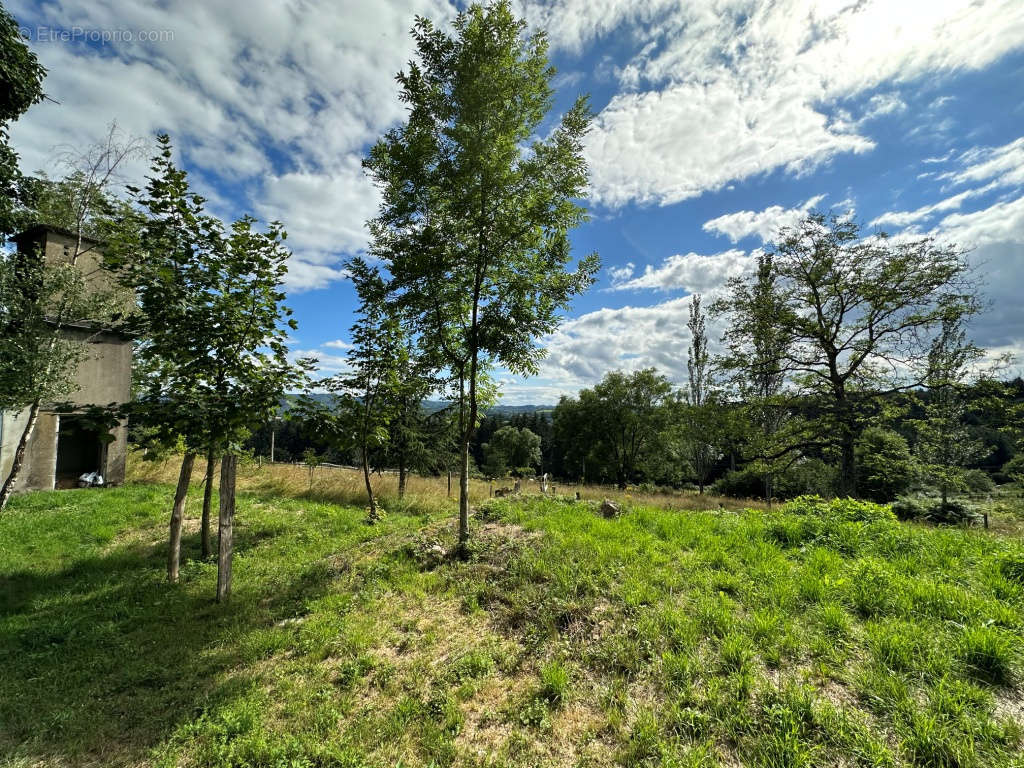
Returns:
(815, 635)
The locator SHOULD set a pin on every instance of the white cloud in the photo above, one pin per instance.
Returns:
(729, 89)
(999, 167)
(906, 218)
(337, 344)
(303, 276)
(584, 349)
(1003, 165)
(273, 104)
(882, 104)
(623, 273)
(764, 224)
(692, 272)
(326, 364)
(1002, 222)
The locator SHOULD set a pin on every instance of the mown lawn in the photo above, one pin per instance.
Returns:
(814, 636)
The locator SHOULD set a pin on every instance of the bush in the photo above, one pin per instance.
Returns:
(842, 510)
(1012, 568)
(1014, 468)
(810, 476)
(885, 466)
(952, 512)
(978, 481)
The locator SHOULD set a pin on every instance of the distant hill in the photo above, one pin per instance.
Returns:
(437, 405)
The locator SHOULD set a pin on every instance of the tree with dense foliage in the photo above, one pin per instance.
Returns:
(21, 86)
(619, 422)
(410, 430)
(476, 209)
(215, 331)
(944, 442)
(855, 320)
(885, 465)
(513, 449)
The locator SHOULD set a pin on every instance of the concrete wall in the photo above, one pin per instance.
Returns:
(104, 375)
(37, 473)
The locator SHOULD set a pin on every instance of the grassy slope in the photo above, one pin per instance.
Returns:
(658, 638)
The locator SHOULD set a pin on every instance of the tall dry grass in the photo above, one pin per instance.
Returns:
(345, 486)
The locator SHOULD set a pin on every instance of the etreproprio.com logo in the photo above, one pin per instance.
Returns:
(43, 34)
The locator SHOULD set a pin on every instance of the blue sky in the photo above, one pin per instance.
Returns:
(718, 121)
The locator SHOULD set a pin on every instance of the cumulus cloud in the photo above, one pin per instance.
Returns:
(691, 272)
(722, 90)
(764, 224)
(273, 104)
(584, 349)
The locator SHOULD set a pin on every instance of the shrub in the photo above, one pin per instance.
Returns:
(952, 512)
(810, 476)
(978, 481)
(1012, 568)
(885, 465)
(841, 510)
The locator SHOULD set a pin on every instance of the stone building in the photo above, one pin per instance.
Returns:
(63, 445)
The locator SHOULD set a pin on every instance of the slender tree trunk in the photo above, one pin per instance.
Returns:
(466, 422)
(225, 538)
(373, 515)
(401, 477)
(211, 468)
(449, 483)
(178, 515)
(464, 498)
(19, 454)
(847, 465)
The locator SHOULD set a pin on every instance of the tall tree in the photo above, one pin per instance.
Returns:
(21, 86)
(944, 442)
(756, 344)
(855, 319)
(476, 210)
(511, 448)
(215, 330)
(702, 414)
(409, 429)
(376, 357)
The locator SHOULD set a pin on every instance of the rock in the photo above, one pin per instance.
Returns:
(428, 553)
(610, 509)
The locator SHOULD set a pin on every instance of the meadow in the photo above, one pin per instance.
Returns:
(812, 634)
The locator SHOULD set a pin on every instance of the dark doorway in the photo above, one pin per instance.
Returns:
(79, 450)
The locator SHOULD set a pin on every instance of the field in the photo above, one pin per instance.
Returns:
(813, 635)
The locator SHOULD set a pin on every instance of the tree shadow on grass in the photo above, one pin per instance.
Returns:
(101, 661)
